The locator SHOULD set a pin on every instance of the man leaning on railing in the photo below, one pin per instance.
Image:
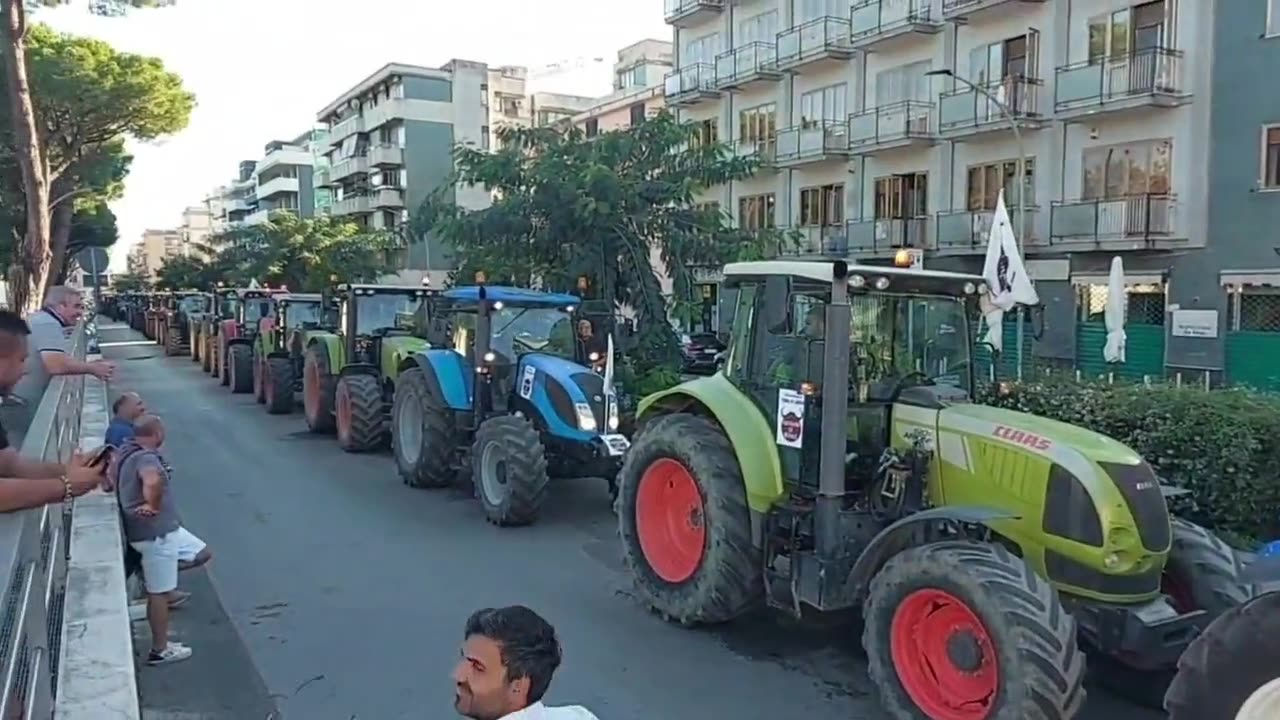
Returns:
(26, 483)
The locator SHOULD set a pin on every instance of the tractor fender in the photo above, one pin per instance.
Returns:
(238, 340)
(750, 434)
(228, 328)
(447, 372)
(904, 534)
(545, 386)
(395, 350)
(333, 346)
(358, 369)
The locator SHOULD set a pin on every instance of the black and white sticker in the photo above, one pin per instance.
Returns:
(526, 382)
(790, 421)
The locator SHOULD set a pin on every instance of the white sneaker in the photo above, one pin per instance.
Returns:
(172, 653)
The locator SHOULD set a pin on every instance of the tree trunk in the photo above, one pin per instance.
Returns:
(30, 268)
(61, 221)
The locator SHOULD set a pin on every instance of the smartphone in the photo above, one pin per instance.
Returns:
(101, 456)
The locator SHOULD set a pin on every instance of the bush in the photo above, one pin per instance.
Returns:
(1222, 445)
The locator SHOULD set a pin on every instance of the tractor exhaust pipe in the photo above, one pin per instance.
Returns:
(835, 415)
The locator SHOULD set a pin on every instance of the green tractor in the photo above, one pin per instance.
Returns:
(838, 463)
(278, 352)
(349, 375)
(181, 309)
(237, 335)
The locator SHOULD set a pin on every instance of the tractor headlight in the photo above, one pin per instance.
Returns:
(613, 414)
(594, 356)
(490, 357)
(586, 418)
(1111, 561)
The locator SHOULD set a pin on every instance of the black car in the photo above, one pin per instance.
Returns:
(700, 353)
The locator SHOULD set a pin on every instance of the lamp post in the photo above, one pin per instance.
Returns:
(1020, 169)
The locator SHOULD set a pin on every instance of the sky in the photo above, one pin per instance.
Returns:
(262, 69)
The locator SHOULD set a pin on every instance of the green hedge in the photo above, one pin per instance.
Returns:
(1222, 445)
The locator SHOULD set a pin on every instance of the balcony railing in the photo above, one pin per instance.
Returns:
(816, 141)
(873, 20)
(387, 197)
(956, 8)
(353, 165)
(971, 229)
(817, 240)
(345, 129)
(1141, 74)
(765, 150)
(353, 205)
(753, 61)
(884, 234)
(385, 155)
(965, 108)
(825, 37)
(690, 82)
(892, 124)
(676, 12)
(1136, 218)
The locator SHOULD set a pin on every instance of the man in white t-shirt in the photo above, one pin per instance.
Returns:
(508, 657)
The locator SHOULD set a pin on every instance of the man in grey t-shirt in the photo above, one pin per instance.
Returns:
(154, 528)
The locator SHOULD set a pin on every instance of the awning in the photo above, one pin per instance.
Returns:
(1130, 278)
(1250, 278)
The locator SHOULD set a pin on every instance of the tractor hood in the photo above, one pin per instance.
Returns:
(1036, 434)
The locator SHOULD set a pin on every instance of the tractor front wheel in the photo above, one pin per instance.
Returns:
(173, 341)
(509, 469)
(424, 438)
(259, 373)
(277, 382)
(1202, 572)
(195, 346)
(685, 524)
(358, 410)
(1244, 643)
(239, 371)
(317, 390)
(206, 354)
(966, 631)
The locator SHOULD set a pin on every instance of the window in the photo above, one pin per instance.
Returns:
(593, 127)
(1015, 57)
(756, 125)
(637, 113)
(986, 182)
(755, 212)
(706, 132)
(1127, 31)
(701, 50)
(1271, 156)
(826, 104)
(1273, 17)
(759, 28)
(822, 206)
(743, 323)
(905, 82)
(902, 196)
(1127, 170)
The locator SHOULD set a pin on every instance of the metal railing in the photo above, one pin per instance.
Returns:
(966, 108)
(34, 546)
(873, 17)
(816, 140)
(971, 229)
(1149, 71)
(1126, 219)
(689, 80)
(673, 9)
(882, 234)
(745, 62)
(893, 122)
(813, 40)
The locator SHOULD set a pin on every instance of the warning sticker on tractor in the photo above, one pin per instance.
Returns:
(790, 418)
(615, 444)
(526, 381)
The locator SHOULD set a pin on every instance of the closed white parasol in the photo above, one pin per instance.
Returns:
(1113, 351)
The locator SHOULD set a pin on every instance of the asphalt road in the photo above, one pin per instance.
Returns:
(348, 590)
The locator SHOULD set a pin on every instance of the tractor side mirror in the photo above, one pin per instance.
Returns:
(777, 304)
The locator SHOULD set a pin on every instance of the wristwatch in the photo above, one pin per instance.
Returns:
(67, 496)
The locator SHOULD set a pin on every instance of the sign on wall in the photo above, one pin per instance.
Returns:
(1194, 323)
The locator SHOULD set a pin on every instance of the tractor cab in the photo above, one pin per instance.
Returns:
(367, 314)
(292, 312)
(251, 307)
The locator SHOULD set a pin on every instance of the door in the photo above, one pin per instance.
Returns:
(1147, 62)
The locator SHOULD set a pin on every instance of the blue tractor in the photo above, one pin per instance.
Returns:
(502, 391)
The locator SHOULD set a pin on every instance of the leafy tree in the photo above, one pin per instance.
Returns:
(41, 163)
(182, 272)
(129, 282)
(93, 226)
(568, 206)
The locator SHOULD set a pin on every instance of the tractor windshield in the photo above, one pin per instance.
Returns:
(898, 335)
(229, 307)
(192, 304)
(298, 313)
(255, 309)
(381, 311)
(517, 331)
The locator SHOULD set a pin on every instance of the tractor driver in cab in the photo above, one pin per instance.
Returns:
(591, 347)
(790, 359)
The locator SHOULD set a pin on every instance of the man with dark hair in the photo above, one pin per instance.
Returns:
(508, 657)
(127, 408)
(26, 483)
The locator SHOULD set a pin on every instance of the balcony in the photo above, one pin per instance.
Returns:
(965, 112)
(690, 85)
(387, 198)
(815, 143)
(821, 40)
(346, 129)
(1127, 223)
(888, 127)
(742, 66)
(765, 151)
(386, 156)
(961, 10)
(878, 23)
(1151, 77)
(967, 231)
(276, 186)
(685, 13)
(354, 205)
(808, 241)
(349, 167)
(880, 236)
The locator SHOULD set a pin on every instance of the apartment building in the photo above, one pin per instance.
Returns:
(156, 246)
(284, 180)
(231, 205)
(196, 229)
(888, 124)
(637, 89)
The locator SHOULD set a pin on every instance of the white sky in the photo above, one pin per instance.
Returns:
(261, 69)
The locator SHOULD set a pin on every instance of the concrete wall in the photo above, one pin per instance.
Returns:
(428, 164)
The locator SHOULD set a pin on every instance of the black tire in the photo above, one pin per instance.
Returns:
(508, 451)
(1205, 570)
(432, 464)
(319, 409)
(728, 580)
(173, 341)
(194, 339)
(278, 386)
(1244, 644)
(359, 421)
(223, 360)
(1040, 670)
(239, 372)
(259, 382)
(206, 354)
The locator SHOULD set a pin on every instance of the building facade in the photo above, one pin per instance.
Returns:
(284, 180)
(637, 89)
(889, 124)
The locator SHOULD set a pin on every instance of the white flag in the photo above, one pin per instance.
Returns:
(1007, 281)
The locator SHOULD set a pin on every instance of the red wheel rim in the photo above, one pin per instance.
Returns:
(1178, 591)
(670, 520)
(311, 389)
(944, 657)
(342, 404)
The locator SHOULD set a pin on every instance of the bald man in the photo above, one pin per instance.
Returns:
(127, 408)
(154, 528)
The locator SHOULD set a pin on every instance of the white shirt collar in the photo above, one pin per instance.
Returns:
(538, 711)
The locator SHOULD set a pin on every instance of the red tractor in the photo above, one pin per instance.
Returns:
(237, 328)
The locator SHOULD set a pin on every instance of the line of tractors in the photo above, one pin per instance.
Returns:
(835, 465)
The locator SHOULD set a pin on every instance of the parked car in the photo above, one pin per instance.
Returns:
(700, 353)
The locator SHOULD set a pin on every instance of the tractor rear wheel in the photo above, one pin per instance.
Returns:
(239, 372)
(1244, 643)
(194, 339)
(317, 390)
(1202, 572)
(206, 355)
(173, 341)
(966, 631)
(424, 438)
(685, 524)
(509, 469)
(259, 373)
(223, 360)
(277, 384)
(358, 412)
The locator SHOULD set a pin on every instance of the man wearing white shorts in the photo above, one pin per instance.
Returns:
(154, 528)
